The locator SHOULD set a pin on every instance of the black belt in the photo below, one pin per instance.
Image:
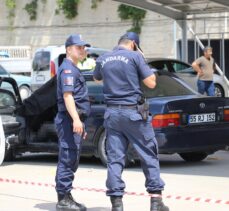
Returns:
(82, 116)
(122, 106)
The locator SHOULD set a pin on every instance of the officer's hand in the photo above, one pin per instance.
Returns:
(78, 127)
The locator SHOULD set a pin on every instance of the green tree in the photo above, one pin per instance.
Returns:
(11, 5)
(94, 3)
(132, 13)
(31, 9)
(68, 7)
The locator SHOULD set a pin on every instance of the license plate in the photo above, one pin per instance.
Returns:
(40, 78)
(201, 118)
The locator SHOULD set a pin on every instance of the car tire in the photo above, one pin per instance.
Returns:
(102, 150)
(24, 91)
(219, 92)
(193, 156)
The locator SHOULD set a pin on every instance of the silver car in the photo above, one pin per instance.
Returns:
(188, 74)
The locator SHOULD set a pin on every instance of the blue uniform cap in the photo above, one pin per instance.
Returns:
(75, 39)
(131, 36)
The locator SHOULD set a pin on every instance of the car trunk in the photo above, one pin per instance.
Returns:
(199, 110)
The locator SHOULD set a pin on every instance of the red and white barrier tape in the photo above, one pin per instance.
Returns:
(183, 198)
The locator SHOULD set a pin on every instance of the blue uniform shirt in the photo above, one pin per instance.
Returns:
(121, 71)
(70, 79)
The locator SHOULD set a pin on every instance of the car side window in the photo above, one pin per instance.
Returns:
(180, 67)
(2, 71)
(159, 65)
(6, 99)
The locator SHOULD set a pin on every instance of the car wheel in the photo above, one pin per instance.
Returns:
(102, 150)
(219, 91)
(193, 156)
(24, 91)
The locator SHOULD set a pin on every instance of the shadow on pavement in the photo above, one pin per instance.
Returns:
(52, 207)
(46, 206)
(214, 165)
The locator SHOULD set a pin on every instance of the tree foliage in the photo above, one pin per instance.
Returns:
(31, 9)
(94, 3)
(11, 5)
(132, 13)
(68, 7)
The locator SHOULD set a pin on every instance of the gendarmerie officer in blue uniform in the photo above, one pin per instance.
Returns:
(73, 108)
(122, 70)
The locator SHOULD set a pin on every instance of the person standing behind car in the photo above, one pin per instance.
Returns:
(205, 67)
(122, 71)
(73, 108)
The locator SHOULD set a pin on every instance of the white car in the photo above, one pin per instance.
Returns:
(186, 72)
(47, 60)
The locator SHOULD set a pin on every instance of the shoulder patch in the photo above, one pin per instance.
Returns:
(68, 81)
(67, 71)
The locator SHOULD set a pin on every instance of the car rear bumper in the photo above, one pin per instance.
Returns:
(193, 139)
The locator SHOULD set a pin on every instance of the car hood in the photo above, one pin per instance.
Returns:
(21, 78)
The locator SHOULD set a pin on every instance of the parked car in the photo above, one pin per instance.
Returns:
(47, 60)
(23, 82)
(188, 74)
(184, 121)
(4, 54)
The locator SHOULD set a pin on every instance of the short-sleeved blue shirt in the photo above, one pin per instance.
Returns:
(121, 71)
(70, 79)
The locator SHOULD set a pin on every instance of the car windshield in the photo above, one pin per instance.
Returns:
(41, 61)
(3, 71)
(166, 86)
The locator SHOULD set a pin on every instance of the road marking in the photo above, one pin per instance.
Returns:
(183, 198)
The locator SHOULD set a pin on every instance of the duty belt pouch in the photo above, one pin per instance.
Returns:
(143, 110)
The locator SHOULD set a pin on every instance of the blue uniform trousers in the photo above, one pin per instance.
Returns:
(69, 153)
(124, 126)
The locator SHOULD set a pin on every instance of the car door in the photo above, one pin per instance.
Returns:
(184, 71)
(7, 106)
(9, 100)
(2, 142)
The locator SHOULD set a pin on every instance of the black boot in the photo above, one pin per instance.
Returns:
(116, 202)
(67, 203)
(156, 204)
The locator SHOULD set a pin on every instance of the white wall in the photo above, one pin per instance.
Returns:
(101, 27)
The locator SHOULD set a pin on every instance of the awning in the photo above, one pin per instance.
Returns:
(180, 9)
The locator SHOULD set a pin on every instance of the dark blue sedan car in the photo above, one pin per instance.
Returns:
(184, 122)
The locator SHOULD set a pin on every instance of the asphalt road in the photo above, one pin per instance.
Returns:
(28, 184)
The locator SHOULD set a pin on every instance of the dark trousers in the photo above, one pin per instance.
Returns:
(124, 126)
(69, 153)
